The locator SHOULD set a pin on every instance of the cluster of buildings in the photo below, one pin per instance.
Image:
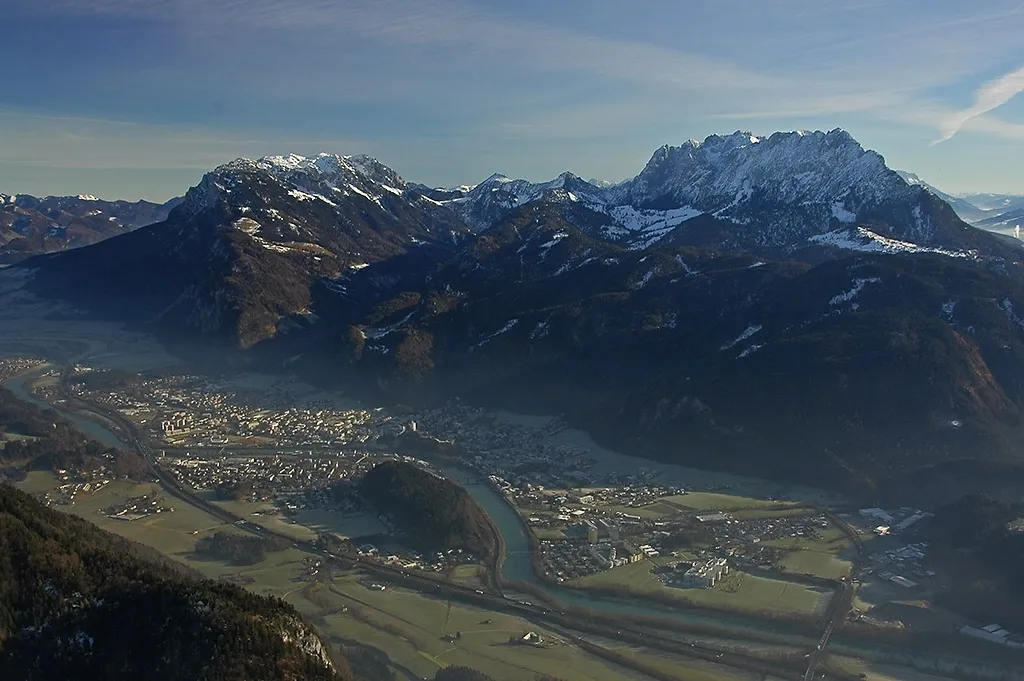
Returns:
(137, 507)
(68, 493)
(593, 519)
(701, 573)
(299, 473)
(899, 521)
(901, 565)
(566, 560)
(413, 560)
(191, 411)
(12, 366)
(994, 634)
(520, 454)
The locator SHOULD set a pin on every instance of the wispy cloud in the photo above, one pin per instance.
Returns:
(69, 142)
(447, 90)
(989, 96)
(470, 29)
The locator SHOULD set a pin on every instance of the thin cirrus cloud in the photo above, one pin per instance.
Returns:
(988, 97)
(452, 89)
(312, 25)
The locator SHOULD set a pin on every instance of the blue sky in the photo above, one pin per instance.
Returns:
(136, 98)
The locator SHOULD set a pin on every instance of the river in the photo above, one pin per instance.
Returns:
(517, 566)
(19, 386)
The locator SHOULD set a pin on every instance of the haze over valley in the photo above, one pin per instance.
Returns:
(762, 381)
(321, 359)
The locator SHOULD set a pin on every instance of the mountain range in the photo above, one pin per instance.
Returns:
(31, 226)
(784, 305)
(995, 212)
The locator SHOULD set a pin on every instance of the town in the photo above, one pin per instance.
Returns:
(283, 453)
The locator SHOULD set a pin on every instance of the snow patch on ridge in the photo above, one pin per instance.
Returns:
(747, 333)
(864, 240)
(858, 286)
(508, 327)
(840, 213)
(751, 350)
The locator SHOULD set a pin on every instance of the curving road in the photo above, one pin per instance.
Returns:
(570, 620)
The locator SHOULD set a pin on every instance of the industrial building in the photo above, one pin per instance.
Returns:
(717, 517)
(705, 573)
(877, 514)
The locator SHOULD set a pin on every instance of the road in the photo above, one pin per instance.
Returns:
(842, 602)
(571, 621)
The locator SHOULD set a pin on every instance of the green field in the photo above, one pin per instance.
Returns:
(712, 501)
(824, 564)
(823, 556)
(690, 670)
(652, 511)
(173, 533)
(406, 626)
(38, 481)
(548, 533)
(745, 507)
(410, 629)
(737, 591)
(351, 525)
(273, 522)
(872, 671)
(758, 513)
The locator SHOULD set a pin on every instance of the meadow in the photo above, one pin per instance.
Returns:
(737, 591)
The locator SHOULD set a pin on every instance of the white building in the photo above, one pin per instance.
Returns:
(706, 573)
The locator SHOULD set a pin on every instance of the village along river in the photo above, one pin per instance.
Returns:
(517, 566)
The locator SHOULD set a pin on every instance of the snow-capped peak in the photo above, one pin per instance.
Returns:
(320, 177)
(723, 173)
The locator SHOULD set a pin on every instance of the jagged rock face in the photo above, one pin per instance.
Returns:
(242, 251)
(766, 195)
(31, 226)
(787, 303)
(498, 196)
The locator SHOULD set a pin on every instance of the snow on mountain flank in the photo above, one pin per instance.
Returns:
(304, 178)
(840, 213)
(782, 189)
(1007, 306)
(647, 226)
(863, 239)
(751, 350)
(304, 196)
(508, 327)
(747, 333)
(858, 286)
(555, 238)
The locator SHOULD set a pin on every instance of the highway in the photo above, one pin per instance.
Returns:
(842, 602)
(619, 629)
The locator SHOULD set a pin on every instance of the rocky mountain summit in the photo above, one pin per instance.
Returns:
(783, 305)
(31, 226)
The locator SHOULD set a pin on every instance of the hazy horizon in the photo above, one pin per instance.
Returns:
(128, 99)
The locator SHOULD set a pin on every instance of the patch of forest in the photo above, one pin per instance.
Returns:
(434, 513)
(981, 555)
(77, 602)
(37, 438)
(240, 549)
